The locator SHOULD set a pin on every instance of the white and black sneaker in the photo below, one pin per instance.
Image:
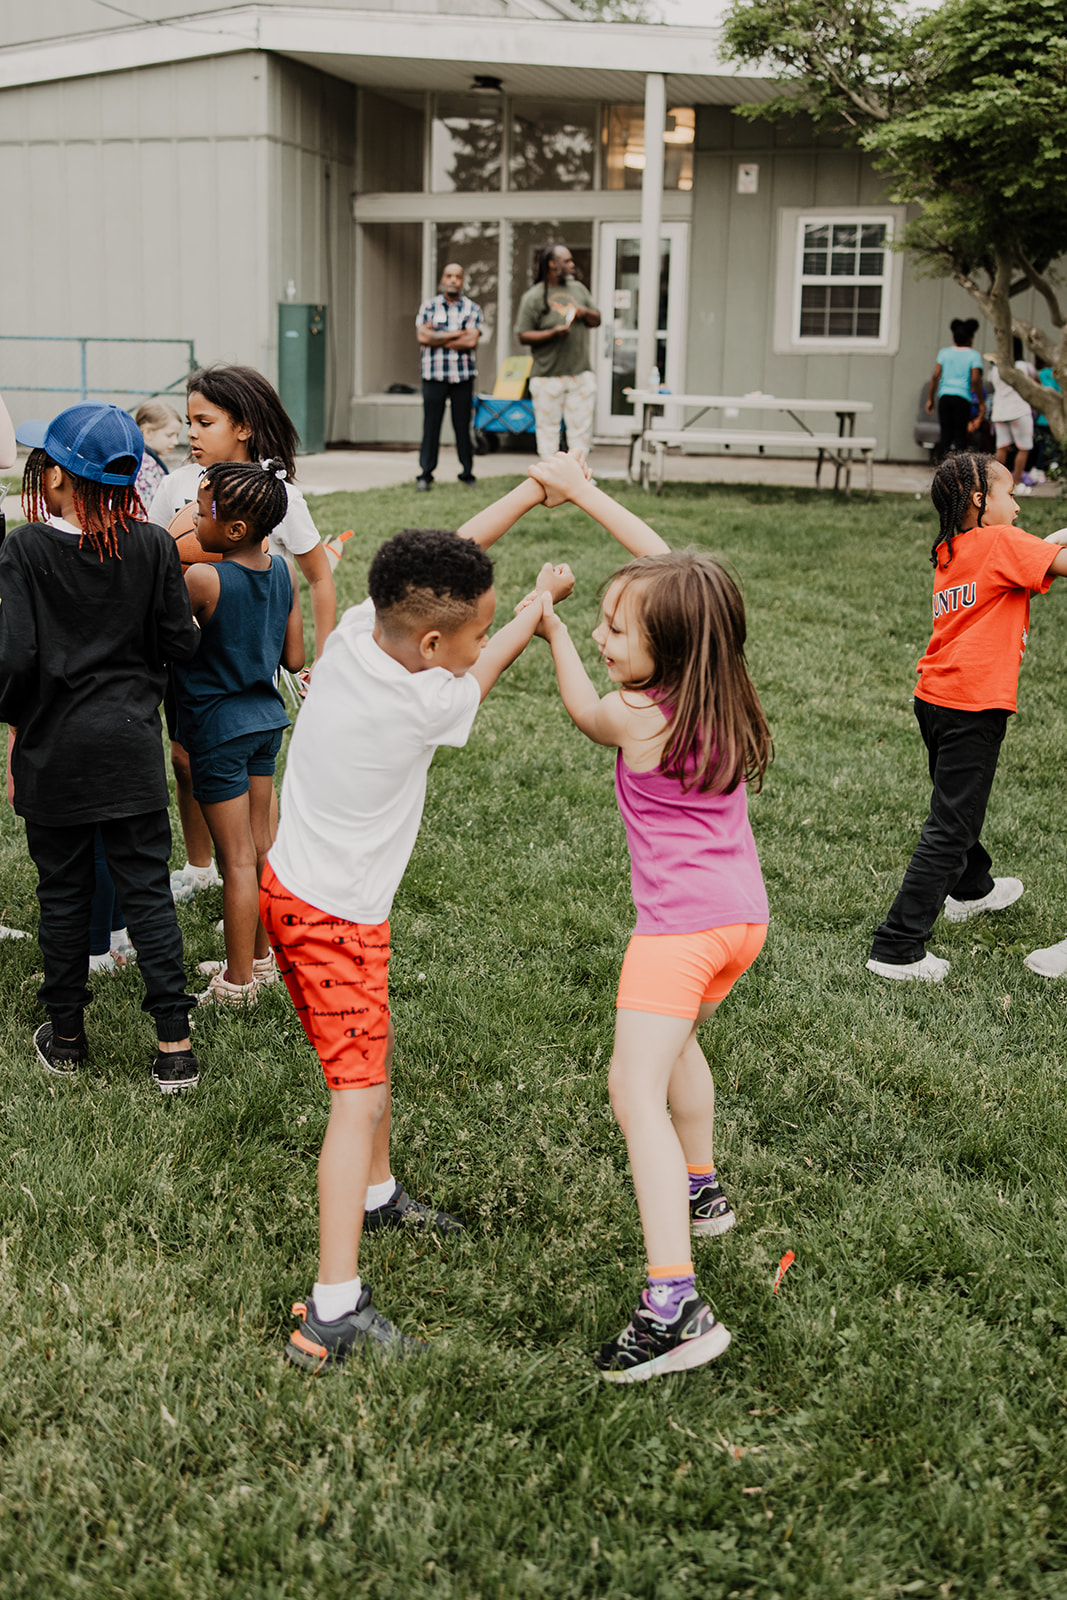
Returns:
(652, 1343)
(709, 1210)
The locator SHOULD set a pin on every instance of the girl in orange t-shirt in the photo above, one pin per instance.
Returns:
(985, 572)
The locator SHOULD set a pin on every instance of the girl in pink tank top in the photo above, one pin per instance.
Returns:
(691, 735)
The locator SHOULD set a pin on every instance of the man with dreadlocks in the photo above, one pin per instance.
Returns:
(985, 571)
(93, 608)
(553, 322)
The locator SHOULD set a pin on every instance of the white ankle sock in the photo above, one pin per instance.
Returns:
(332, 1300)
(193, 874)
(379, 1194)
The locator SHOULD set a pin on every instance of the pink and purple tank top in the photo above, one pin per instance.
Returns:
(693, 858)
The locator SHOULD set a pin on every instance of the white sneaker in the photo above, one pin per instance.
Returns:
(931, 969)
(221, 991)
(1049, 963)
(1004, 893)
(193, 880)
(264, 970)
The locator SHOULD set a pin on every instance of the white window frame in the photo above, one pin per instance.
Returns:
(792, 221)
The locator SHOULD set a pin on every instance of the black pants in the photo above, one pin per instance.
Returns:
(949, 860)
(435, 395)
(954, 414)
(138, 854)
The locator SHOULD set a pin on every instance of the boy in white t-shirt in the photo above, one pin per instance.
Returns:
(401, 674)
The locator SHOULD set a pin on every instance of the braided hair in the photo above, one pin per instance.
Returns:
(544, 261)
(958, 477)
(102, 509)
(248, 491)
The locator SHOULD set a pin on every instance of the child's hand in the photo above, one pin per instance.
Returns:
(1059, 537)
(559, 581)
(561, 476)
(549, 624)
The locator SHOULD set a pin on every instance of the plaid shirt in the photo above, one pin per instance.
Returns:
(448, 366)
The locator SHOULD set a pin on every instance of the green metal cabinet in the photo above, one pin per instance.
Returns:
(302, 371)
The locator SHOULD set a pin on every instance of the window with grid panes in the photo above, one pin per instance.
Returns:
(844, 276)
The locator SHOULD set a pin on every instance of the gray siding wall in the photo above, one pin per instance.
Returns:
(173, 202)
(733, 278)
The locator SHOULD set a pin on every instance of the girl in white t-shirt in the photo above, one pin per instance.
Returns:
(236, 415)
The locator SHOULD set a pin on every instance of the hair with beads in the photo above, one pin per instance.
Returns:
(247, 492)
(692, 616)
(961, 475)
(251, 402)
(425, 578)
(102, 509)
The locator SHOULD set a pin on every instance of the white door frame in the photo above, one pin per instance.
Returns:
(604, 338)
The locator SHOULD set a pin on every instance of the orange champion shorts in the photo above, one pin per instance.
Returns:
(337, 974)
(674, 974)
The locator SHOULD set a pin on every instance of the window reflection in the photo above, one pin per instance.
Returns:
(465, 144)
(553, 145)
(624, 147)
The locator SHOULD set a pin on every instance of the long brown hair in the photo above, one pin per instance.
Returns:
(692, 616)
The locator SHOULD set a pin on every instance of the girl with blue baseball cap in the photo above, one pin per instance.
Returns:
(92, 608)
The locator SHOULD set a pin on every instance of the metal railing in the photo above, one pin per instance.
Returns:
(83, 341)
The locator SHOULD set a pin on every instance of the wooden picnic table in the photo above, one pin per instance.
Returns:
(650, 440)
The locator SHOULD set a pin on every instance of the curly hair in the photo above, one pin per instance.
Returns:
(101, 509)
(251, 402)
(428, 578)
(692, 616)
(245, 489)
(959, 476)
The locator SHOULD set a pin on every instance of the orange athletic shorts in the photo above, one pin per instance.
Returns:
(337, 974)
(674, 974)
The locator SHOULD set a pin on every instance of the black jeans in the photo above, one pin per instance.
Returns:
(948, 859)
(954, 414)
(436, 394)
(138, 854)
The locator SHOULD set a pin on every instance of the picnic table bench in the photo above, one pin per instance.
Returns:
(652, 438)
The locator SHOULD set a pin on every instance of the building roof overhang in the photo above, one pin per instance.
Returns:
(416, 51)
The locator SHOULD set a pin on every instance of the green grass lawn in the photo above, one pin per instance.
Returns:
(892, 1422)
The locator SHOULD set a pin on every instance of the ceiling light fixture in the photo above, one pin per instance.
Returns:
(485, 85)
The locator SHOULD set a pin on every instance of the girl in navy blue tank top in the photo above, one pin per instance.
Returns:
(230, 714)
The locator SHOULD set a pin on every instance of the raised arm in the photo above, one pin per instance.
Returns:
(563, 474)
(487, 526)
(604, 721)
(509, 643)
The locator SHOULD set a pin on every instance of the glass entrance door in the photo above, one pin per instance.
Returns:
(620, 266)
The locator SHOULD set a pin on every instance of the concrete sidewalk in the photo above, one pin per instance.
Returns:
(383, 469)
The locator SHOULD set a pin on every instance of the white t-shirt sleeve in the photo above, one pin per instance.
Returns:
(450, 705)
(297, 533)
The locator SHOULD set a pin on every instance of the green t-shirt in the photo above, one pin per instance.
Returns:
(556, 358)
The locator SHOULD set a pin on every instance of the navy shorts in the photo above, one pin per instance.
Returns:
(223, 773)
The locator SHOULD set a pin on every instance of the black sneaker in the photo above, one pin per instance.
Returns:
(422, 483)
(175, 1070)
(319, 1344)
(404, 1212)
(710, 1211)
(61, 1056)
(651, 1344)
(468, 478)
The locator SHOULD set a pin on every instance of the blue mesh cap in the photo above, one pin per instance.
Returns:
(102, 443)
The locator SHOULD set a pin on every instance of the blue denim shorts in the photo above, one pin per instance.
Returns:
(223, 773)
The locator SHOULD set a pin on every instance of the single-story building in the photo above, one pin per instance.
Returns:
(181, 177)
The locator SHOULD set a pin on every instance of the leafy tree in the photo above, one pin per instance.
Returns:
(965, 108)
(618, 10)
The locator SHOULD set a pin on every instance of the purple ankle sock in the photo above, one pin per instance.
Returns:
(700, 1180)
(665, 1295)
